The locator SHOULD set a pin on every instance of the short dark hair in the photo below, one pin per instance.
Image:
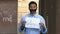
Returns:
(32, 2)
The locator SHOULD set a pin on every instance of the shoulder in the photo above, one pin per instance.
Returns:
(25, 16)
(39, 16)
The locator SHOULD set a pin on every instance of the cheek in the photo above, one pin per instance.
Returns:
(32, 7)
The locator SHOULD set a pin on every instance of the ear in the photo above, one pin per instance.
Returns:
(36, 7)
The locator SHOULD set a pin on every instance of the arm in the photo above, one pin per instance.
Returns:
(43, 25)
(22, 25)
(43, 31)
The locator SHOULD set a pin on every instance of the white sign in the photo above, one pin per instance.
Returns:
(32, 22)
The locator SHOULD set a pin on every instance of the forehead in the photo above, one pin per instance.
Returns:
(32, 4)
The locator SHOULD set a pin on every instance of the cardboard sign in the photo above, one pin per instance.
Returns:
(32, 22)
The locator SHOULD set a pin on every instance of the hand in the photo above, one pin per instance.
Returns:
(23, 23)
(42, 25)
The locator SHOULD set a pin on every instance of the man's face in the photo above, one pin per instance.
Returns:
(32, 8)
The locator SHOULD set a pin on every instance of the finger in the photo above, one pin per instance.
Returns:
(24, 21)
(41, 23)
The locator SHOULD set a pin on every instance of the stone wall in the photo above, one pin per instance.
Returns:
(8, 17)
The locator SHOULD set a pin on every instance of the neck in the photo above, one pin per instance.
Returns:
(32, 14)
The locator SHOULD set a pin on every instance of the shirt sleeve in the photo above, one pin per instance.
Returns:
(20, 27)
(42, 20)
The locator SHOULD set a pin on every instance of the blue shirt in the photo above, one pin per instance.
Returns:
(33, 30)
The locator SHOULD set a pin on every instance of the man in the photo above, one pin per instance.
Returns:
(32, 14)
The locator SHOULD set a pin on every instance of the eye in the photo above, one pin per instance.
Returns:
(32, 6)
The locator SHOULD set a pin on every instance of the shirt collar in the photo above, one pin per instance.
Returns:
(34, 15)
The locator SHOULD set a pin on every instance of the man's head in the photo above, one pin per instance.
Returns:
(32, 7)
